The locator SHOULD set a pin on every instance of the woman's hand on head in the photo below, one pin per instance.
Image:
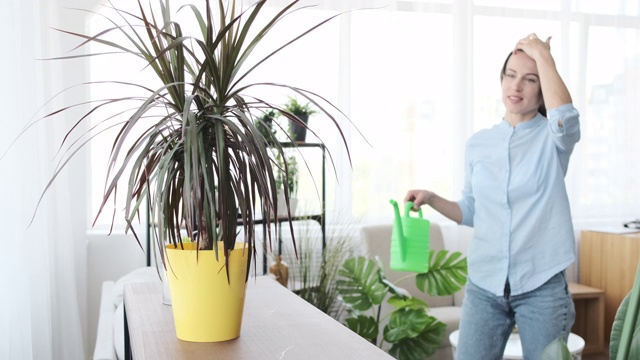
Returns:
(533, 46)
(418, 197)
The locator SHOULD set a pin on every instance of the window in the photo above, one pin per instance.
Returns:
(417, 78)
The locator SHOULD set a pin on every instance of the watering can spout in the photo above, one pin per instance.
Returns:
(397, 229)
(397, 221)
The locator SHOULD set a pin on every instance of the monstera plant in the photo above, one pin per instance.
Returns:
(410, 333)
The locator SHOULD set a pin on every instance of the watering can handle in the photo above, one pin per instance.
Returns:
(407, 208)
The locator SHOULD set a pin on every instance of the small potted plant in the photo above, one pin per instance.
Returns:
(286, 183)
(264, 124)
(298, 116)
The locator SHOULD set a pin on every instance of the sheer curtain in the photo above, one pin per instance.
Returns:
(42, 264)
(427, 76)
(418, 77)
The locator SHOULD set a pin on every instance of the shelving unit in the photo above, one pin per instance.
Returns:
(320, 218)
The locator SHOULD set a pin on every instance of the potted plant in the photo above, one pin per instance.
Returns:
(264, 124)
(410, 332)
(314, 269)
(190, 150)
(286, 183)
(298, 116)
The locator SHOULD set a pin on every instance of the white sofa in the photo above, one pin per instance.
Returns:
(110, 331)
(112, 261)
(377, 242)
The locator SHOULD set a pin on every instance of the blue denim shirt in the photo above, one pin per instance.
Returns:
(515, 198)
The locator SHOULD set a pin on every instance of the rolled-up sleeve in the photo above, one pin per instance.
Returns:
(467, 202)
(564, 124)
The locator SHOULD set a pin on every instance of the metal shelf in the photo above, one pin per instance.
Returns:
(319, 218)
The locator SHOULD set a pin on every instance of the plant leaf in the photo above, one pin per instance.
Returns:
(406, 323)
(418, 347)
(410, 302)
(446, 275)
(359, 284)
(365, 326)
(616, 328)
(556, 350)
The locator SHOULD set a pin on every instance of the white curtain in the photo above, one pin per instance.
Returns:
(42, 262)
(426, 76)
(418, 77)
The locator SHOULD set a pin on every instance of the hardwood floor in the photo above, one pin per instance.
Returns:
(596, 357)
(603, 356)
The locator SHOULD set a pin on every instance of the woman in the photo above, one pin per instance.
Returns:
(515, 198)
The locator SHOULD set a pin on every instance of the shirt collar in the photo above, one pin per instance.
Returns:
(529, 124)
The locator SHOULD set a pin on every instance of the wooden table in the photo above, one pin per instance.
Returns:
(589, 304)
(277, 324)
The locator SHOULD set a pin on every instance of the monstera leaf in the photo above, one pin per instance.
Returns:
(359, 283)
(556, 350)
(407, 302)
(406, 323)
(414, 334)
(447, 274)
(365, 326)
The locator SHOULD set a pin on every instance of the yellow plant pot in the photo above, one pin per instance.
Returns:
(206, 306)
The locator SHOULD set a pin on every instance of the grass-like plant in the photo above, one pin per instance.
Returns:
(313, 276)
(190, 146)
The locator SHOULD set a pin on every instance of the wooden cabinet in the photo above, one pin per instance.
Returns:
(589, 324)
(609, 261)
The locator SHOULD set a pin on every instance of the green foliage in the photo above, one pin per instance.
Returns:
(359, 283)
(287, 173)
(410, 331)
(190, 146)
(365, 326)
(264, 125)
(313, 272)
(419, 347)
(616, 332)
(556, 350)
(624, 342)
(446, 275)
(298, 116)
(294, 107)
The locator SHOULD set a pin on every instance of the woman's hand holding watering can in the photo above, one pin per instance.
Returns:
(449, 209)
(419, 198)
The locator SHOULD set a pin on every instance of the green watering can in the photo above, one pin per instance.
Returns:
(409, 241)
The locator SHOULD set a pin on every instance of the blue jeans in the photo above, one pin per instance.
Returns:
(542, 315)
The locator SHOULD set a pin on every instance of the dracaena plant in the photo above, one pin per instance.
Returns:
(190, 146)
